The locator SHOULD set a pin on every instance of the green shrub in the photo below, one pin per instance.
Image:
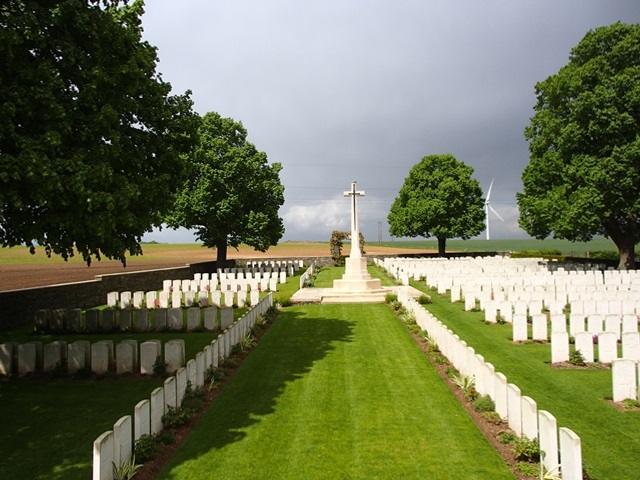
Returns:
(492, 417)
(177, 416)
(506, 438)
(213, 374)
(484, 403)
(526, 450)
(127, 470)
(576, 358)
(147, 447)
(82, 373)
(424, 299)
(390, 298)
(604, 255)
(530, 469)
(451, 372)
(166, 437)
(160, 367)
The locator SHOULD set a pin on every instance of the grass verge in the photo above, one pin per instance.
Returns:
(336, 391)
(610, 441)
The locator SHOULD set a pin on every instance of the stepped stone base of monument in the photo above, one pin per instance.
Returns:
(356, 285)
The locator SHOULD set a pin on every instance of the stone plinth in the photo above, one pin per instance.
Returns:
(356, 285)
(356, 278)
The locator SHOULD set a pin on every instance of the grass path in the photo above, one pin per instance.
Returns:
(610, 437)
(336, 391)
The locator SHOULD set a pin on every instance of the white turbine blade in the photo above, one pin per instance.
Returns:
(489, 192)
(497, 214)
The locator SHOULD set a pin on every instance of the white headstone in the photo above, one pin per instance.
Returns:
(156, 404)
(548, 436)
(607, 347)
(174, 355)
(625, 383)
(584, 343)
(571, 454)
(103, 456)
(141, 419)
(149, 352)
(631, 346)
(514, 408)
(559, 347)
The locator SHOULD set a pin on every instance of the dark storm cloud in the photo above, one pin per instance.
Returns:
(361, 90)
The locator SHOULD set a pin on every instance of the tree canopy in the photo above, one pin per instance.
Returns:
(438, 199)
(92, 143)
(583, 178)
(233, 194)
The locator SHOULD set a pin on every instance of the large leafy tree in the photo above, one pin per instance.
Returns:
(438, 199)
(92, 144)
(583, 178)
(233, 194)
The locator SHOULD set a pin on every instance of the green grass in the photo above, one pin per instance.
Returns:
(610, 439)
(514, 245)
(336, 391)
(48, 426)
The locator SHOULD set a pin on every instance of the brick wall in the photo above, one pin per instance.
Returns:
(17, 307)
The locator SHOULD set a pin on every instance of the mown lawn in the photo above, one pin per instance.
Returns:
(610, 437)
(336, 391)
(49, 424)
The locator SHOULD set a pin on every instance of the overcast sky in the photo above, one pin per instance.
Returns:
(343, 90)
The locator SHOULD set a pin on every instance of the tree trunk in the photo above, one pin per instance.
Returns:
(627, 255)
(221, 260)
(442, 241)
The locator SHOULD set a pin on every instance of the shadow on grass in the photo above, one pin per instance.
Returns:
(287, 352)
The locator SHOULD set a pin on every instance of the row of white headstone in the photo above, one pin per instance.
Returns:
(103, 356)
(115, 447)
(562, 446)
(179, 298)
(261, 281)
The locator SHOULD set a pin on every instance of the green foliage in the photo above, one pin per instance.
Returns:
(550, 252)
(335, 245)
(234, 194)
(160, 367)
(492, 417)
(526, 450)
(467, 383)
(630, 404)
(390, 298)
(177, 416)
(147, 447)
(424, 299)
(576, 358)
(484, 403)
(247, 343)
(530, 469)
(92, 143)
(127, 470)
(604, 255)
(166, 437)
(583, 178)
(228, 362)
(438, 199)
(507, 438)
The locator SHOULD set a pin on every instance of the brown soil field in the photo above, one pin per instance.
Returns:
(40, 271)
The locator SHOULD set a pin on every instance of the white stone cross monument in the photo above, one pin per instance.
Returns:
(356, 280)
(355, 231)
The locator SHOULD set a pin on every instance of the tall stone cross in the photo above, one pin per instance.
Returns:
(355, 232)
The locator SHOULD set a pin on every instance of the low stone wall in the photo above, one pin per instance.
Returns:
(18, 307)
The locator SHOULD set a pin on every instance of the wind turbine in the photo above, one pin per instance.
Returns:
(487, 207)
